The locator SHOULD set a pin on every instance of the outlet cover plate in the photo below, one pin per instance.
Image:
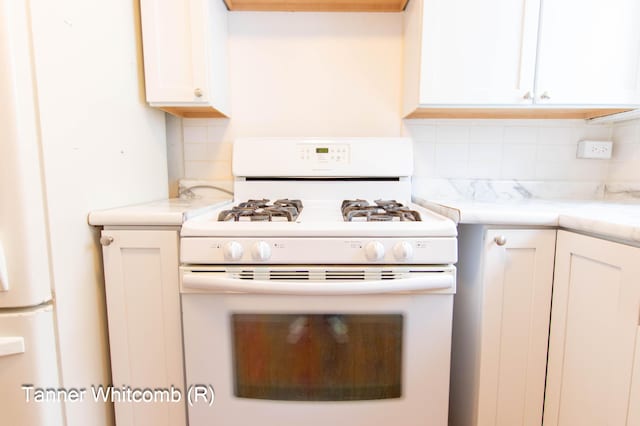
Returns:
(595, 149)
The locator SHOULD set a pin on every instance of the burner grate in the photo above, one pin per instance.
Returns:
(262, 211)
(382, 211)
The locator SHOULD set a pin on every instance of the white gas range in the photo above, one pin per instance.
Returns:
(369, 232)
(320, 295)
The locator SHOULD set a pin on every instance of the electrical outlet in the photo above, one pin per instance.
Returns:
(595, 149)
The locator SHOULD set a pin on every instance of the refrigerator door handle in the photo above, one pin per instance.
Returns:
(11, 346)
(4, 274)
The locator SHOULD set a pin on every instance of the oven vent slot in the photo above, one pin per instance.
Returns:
(245, 275)
(391, 275)
(318, 274)
(289, 275)
(344, 275)
(362, 275)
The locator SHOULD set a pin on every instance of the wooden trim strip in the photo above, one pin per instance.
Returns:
(194, 112)
(513, 113)
(317, 5)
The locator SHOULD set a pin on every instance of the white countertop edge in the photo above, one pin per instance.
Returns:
(446, 211)
(154, 213)
(146, 219)
(623, 233)
(553, 213)
(460, 213)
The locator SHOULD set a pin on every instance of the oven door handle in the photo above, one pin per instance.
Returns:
(431, 281)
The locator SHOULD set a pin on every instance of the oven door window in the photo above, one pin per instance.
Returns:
(311, 357)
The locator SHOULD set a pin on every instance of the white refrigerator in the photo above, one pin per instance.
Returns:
(66, 69)
(28, 352)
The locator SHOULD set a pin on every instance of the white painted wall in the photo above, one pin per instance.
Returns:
(302, 74)
(102, 147)
(175, 149)
(322, 74)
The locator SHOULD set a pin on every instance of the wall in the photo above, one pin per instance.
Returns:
(302, 74)
(102, 147)
(175, 150)
(625, 164)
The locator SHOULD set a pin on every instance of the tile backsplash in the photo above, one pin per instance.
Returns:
(207, 149)
(539, 151)
(542, 150)
(624, 165)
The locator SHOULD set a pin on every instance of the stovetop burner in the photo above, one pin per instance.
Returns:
(382, 211)
(286, 210)
(262, 211)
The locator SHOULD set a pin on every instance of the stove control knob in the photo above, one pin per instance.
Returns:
(232, 251)
(403, 251)
(261, 251)
(374, 251)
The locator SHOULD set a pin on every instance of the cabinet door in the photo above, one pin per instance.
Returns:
(517, 280)
(145, 336)
(173, 36)
(478, 52)
(594, 332)
(589, 52)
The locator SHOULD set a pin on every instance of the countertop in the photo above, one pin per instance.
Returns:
(168, 212)
(619, 220)
(614, 220)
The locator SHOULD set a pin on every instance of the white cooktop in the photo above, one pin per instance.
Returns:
(320, 218)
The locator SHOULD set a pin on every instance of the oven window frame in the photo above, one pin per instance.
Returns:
(318, 356)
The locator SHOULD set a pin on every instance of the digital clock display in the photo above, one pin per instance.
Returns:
(322, 150)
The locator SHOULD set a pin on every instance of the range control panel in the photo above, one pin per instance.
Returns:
(322, 157)
(273, 250)
(324, 154)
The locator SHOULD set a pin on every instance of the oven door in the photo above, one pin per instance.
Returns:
(309, 345)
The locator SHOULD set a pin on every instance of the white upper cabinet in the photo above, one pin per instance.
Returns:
(472, 52)
(589, 52)
(186, 56)
(521, 58)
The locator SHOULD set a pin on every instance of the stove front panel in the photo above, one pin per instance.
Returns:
(216, 251)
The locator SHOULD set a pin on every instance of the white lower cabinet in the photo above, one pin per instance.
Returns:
(593, 376)
(500, 326)
(145, 336)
